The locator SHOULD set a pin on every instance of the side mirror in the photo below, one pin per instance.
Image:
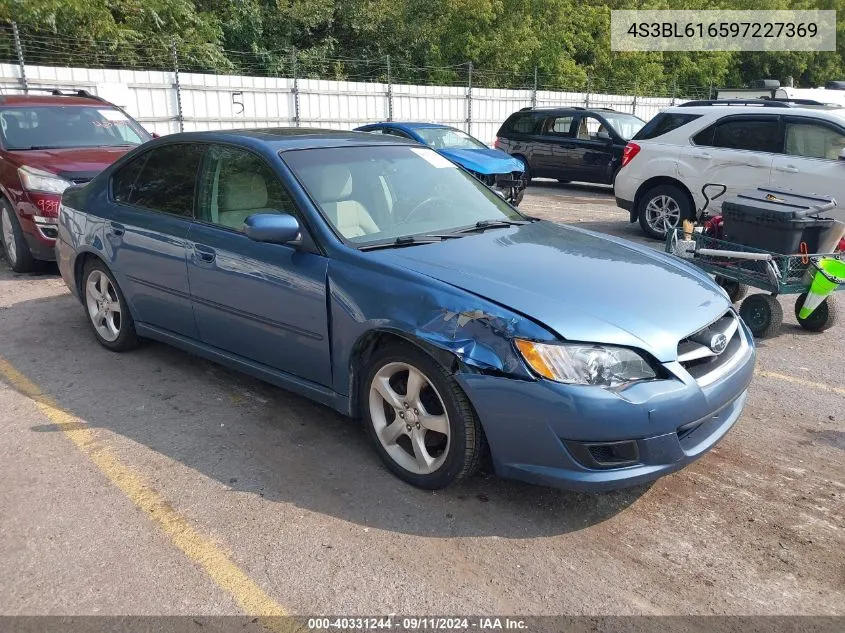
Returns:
(155, 135)
(842, 155)
(274, 228)
(604, 135)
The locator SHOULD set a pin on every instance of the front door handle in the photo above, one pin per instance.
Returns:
(703, 155)
(116, 229)
(205, 253)
(792, 169)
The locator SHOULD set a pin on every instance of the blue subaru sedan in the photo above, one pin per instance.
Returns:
(493, 167)
(374, 276)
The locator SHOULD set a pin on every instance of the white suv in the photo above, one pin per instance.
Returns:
(740, 144)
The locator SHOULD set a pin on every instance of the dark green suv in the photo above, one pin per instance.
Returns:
(583, 144)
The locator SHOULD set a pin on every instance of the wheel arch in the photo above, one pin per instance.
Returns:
(656, 181)
(372, 340)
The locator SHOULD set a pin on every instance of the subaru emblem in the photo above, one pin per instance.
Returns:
(718, 343)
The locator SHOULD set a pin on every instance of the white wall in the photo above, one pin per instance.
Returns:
(212, 102)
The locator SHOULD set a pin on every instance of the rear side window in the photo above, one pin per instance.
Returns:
(664, 123)
(522, 124)
(165, 182)
(755, 135)
(561, 125)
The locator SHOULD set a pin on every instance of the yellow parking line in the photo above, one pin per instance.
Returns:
(801, 381)
(200, 549)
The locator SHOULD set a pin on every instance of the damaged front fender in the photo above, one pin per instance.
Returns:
(477, 332)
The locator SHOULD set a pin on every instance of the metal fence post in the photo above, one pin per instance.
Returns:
(534, 91)
(674, 90)
(469, 98)
(589, 90)
(179, 116)
(634, 102)
(296, 118)
(389, 93)
(19, 51)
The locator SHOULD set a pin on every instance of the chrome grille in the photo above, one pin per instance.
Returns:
(712, 351)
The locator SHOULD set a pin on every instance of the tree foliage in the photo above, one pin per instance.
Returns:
(567, 41)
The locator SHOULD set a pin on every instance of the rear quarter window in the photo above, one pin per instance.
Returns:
(664, 123)
(519, 124)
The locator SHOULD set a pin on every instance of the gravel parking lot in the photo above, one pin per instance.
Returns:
(157, 483)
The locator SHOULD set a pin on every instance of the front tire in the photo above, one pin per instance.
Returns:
(662, 209)
(106, 309)
(823, 317)
(421, 422)
(15, 247)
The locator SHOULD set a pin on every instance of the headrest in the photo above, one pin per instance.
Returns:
(239, 192)
(334, 183)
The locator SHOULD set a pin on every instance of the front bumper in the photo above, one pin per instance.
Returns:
(559, 435)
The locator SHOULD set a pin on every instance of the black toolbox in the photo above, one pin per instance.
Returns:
(776, 220)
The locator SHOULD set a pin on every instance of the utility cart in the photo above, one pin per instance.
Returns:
(737, 266)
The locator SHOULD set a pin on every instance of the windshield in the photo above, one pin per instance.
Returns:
(448, 138)
(42, 127)
(379, 193)
(626, 125)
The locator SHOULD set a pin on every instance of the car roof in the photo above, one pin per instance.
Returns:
(289, 138)
(721, 110)
(569, 109)
(19, 100)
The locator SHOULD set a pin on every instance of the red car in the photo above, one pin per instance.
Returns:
(47, 143)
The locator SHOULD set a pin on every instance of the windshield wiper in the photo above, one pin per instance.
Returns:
(410, 240)
(34, 147)
(482, 225)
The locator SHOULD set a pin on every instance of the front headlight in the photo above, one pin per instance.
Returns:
(584, 363)
(39, 180)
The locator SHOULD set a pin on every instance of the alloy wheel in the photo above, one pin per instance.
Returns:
(409, 418)
(663, 214)
(9, 238)
(103, 305)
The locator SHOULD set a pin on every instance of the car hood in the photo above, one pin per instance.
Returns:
(581, 285)
(74, 160)
(484, 161)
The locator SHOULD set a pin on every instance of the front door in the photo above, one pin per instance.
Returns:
(146, 235)
(810, 162)
(263, 302)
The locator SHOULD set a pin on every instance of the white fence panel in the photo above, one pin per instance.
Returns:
(230, 101)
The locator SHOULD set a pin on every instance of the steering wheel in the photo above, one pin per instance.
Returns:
(425, 203)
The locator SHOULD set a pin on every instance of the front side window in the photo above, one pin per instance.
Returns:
(165, 181)
(813, 140)
(427, 193)
(448, 138)
(45, 127)
(756, 135)
(237, 184)
(625, 125)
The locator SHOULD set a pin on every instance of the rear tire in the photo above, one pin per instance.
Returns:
(423, 427)
(736, 291)
(823, 317)
(15, 248)
(106, 309)
(762, 314)
(663, 208)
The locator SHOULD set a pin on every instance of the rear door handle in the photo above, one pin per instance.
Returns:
(116, 229)
(792, 169)
(703, 155)
(205, 253)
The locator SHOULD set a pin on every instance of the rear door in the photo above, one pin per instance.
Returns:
(520, 136)
(555, 151)
(146, 236)
(736, 151)
(810, 162)
(593, 150)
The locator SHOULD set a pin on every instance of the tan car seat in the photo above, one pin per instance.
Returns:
(349, 216)
(241, 195)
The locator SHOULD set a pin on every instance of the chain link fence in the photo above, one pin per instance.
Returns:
(173, 86)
